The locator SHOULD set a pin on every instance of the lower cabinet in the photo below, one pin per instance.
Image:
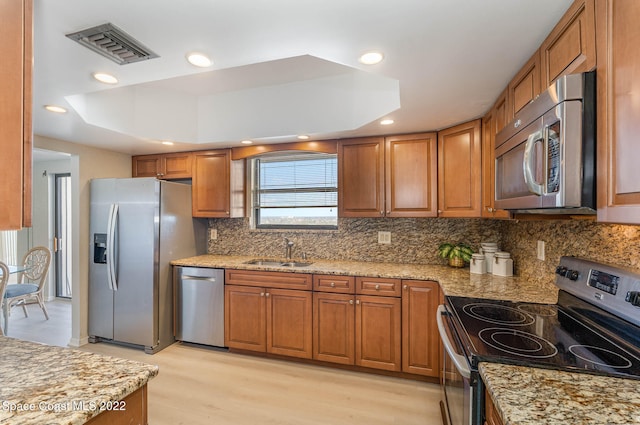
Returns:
(378, 332)
(492, 417)
(334, 327)
(420, 338)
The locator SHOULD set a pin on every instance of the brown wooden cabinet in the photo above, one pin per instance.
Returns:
(618, 110)
(163, 166)
(15, 113)
(571, 45)
(334, 327)
(259, 316)
(388, 177)
(501, 111)
(378, 332)
(420, 339)
(489, 130)
(491, 415)
(460, 171)
(134, 412)
(217, 185)
(525, 86)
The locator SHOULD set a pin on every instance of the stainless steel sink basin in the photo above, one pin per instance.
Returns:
(277, 263)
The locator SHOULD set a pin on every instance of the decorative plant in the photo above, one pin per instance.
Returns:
(457, 254)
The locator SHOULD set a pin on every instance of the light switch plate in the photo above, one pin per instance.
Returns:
(384, 237)
(540, 254)
(213, 234)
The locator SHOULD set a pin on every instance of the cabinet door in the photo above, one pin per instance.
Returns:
(489, 123)
(211, 195)
(618, 111)
(146, 166)
(177, 165)
(492, 417)
(411, 175)
(334, 328)
(378, 332)
(525, 86)
(460, 171)
(245, 318)
(15, 113)
(361, 177)
(420, 338)
(501, 111)
(571, 46)
(289, 322)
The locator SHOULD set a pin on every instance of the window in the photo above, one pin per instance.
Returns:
(295, 190)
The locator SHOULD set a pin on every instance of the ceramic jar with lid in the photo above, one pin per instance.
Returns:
(489, 252)
(502, 264)
(478, 264)
(490, 245)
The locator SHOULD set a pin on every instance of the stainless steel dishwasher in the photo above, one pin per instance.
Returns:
(199, 307)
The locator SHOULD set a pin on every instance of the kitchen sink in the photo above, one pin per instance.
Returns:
(277, 263)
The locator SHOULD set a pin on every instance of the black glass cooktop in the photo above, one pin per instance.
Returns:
(572, 335)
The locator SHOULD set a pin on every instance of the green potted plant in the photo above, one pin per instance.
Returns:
(458, 254)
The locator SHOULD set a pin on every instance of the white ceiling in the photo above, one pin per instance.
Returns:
(281, 68)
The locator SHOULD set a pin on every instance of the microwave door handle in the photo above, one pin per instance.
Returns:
(460, 362)
(527, 163)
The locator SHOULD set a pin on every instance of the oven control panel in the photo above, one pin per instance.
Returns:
(611, 288)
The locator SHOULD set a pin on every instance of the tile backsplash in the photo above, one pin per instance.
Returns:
(415, 240)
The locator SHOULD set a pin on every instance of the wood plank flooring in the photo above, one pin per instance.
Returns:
(201, 385)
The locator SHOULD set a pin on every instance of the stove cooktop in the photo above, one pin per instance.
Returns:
(572, 335)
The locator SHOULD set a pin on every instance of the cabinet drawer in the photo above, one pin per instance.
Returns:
(378, 286)
(338, 284)
(282, 280)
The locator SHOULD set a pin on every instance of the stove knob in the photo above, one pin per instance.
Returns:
(633, 297)
(573, 274)
(561, 270)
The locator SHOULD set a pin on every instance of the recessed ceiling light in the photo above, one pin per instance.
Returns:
(303, 137)
(199, 59)
(105, 78)
(387, 122)
(371, 58)
(247, 142)
(56, 109)
(167, 142)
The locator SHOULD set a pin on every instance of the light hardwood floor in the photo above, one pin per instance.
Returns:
(201, 385)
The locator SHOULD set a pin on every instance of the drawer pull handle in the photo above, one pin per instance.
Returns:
(377, 287)
(333, 285)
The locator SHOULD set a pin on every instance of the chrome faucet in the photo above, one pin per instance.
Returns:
(288, 248)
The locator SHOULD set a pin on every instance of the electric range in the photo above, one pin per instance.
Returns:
(594, 328)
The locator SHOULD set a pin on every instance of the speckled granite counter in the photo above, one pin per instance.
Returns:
(42, 384)
(454, 282)
(528, 396)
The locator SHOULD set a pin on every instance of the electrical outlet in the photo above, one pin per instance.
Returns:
(384, 237)
(540, 250)
(213, 234)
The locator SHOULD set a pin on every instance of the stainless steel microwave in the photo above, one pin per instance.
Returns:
(545, 158)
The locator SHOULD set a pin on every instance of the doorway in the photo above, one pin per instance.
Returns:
(63, 235)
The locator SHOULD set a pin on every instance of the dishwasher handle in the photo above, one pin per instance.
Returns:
(460, 362)
(188, 277)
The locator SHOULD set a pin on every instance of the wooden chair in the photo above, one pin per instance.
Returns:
(36, 262)
(3, 283)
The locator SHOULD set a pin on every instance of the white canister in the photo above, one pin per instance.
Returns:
(502, 264)
(488, 257)
(490, 245)
(478, 264)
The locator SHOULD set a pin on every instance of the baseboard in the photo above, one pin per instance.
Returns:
(75, 342)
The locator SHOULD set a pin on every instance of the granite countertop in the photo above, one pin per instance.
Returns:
(42, 384)
(527, 396)
(453, 281)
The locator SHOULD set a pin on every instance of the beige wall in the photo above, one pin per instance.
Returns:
(86, 163)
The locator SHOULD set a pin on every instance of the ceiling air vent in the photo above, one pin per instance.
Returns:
(113, 43)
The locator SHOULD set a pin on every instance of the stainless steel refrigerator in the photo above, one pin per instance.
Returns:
(137, 227)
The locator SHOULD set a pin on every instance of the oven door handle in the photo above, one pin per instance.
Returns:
(459, 361)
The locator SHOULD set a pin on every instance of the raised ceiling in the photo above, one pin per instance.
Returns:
(281, 68)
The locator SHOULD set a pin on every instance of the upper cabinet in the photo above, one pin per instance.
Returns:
(217, 184)
(571, 46)
(164, 166)
(618, 110)
(388, 177)
(16, 51)
(489, 130)
(525, 86)
(460, 171)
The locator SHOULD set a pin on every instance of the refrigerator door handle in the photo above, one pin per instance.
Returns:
(111, 249)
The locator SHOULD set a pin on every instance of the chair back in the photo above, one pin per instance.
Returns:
(36, 261)
(4, 279)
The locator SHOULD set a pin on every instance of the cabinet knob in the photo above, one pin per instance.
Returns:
(388, 212)
(489, 209)
(333, 285)
(439, 211)
(358, 302)
(405, 287)
(267, 294)
(377, 287)
(351, 302)
(226, 212)
(262, 294)
(381, 212)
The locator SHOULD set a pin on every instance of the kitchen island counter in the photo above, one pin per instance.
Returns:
(453, 281)
(527, 396)
(42, 384)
